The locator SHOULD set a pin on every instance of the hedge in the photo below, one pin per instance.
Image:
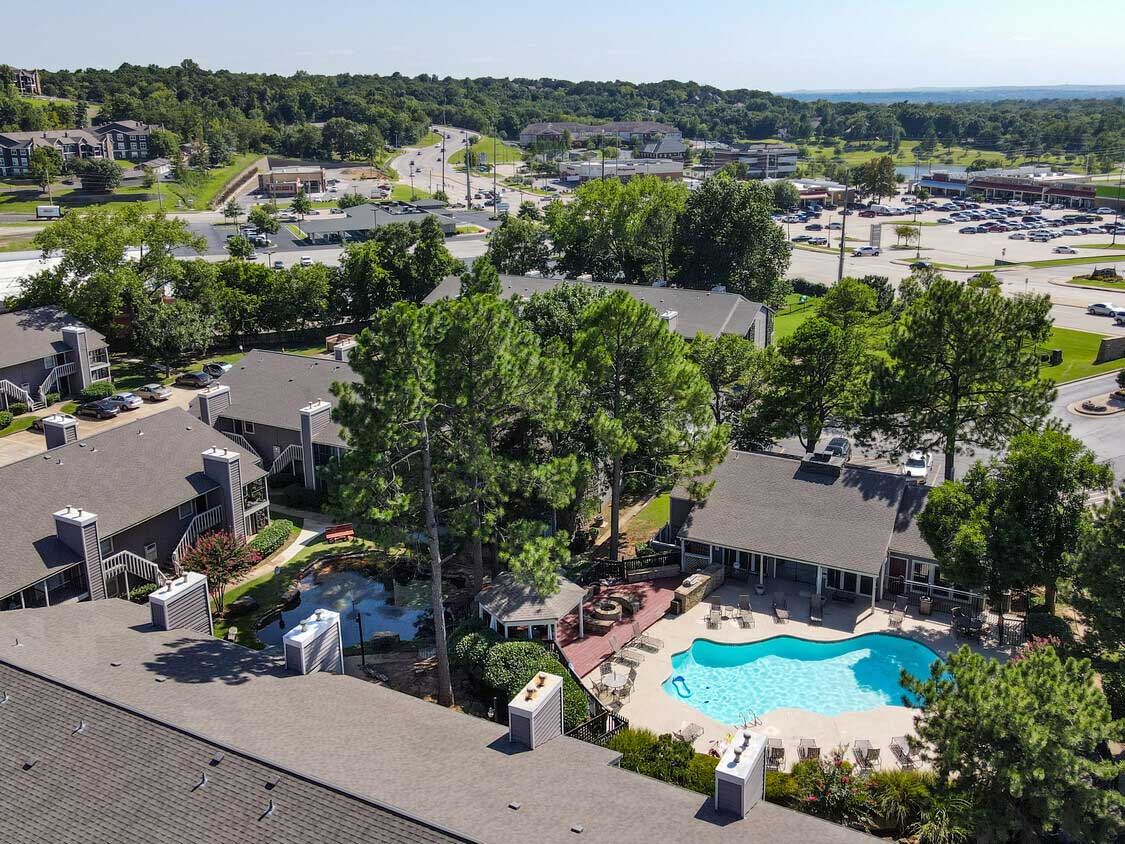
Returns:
(808, 288)
(139, 594)
(665, 758)
(97, 390)
(271, 537)
(17, 408)
(54, 398)
(5, 419)
(509, 666)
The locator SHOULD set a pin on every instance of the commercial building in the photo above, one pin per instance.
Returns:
(287, 181)
(359, 221)
(688, 312)
(1031, 184)
(623, 131)
(664, 148)
(762, 160)
(91, 518)
(121, 729)
(620, 168)
(45, 350)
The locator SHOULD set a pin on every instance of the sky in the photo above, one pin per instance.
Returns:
(777, 45)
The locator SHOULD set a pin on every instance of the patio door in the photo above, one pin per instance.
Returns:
(896, 575)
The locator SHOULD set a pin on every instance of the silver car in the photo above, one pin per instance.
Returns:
(126, 401)
(154, 392)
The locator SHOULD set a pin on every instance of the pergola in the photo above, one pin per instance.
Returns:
(509, 605)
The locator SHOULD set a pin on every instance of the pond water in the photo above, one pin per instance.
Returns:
(336, 591)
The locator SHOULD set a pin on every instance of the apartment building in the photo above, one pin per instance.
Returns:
(45, 350)
(122, 139)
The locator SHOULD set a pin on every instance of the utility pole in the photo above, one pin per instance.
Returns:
(443, 152)
(468, 177)
(1117, 207)
(495, 195)
(843, 231)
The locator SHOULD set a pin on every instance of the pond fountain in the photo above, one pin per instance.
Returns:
(336, 590)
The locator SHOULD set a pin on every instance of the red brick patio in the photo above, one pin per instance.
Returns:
(653, 599)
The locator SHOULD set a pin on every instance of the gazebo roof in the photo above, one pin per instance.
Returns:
(510, 602)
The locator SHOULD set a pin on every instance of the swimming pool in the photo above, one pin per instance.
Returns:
(726, 682)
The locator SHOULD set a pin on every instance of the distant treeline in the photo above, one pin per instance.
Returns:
(271, 113)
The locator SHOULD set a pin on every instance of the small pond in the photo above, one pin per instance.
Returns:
(382, 611)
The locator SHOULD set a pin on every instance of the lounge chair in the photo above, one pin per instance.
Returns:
(776, 757)
(866, 755)
(899, 611)
(780, 607)
(745, 614)
(808, 749)
(626, 655)
(900, 746)
(714, 619)
(716, 603)
(689, 733)
(815, 611)
(645, 641)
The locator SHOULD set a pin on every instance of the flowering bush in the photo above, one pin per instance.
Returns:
(830, 788)
(222, 558)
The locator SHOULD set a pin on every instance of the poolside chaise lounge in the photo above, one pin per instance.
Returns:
(627, 655)
(776, 756)
(815, 612)
(866, 755)
(641, 639)
(808, 749)
(780, 607)
(899, 611)
(714, 619)
(745, 614)
(689, 732)
(900, 746)
(716, 603)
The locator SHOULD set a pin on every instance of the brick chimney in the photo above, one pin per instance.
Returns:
(60, 430)
(535, 715)
(314, 419)
(212, 402)
(315, 644)
(77, 529)
(223, 466)
(182, 604)
(740, 776)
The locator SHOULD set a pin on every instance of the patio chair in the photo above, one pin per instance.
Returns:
(808, 749)
(780, 607)
(641, 639)
(606, 668)
(716, 603)
(900, 747)
(866, 755)
(899, 611)
(626, 655)
(714, 619)
(815, 611)
(689, 732)
(776, 757)
(745, 614)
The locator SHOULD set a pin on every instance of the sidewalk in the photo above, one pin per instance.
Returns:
(311, 532)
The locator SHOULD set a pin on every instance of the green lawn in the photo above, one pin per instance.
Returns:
(1079, 349)
(1082, 281)
(428, 140)
(129, 373)
(789, 318)
(1046, 262)
(504, 154)
(1111, 190)
(17, 244)
(20, 423)
(403, 193)
(1103, 245)
(213, 183)
(643, 526)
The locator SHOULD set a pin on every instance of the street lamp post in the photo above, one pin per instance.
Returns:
(359, 621)
(843, 231)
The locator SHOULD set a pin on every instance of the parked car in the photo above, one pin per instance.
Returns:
(37, 425)
(1103, 210)
(306, 261)
(1064, 250)
(1102, 308)
(918, 464)
(193, 379)
(867, 213)
(216, 368)
(863, 251)
(126, 401)
(1017, 236)
(154, 392)
(279, 265)
(1119, 318)
(818, 241)
(839, 447)
(921, 265)
(100, 409)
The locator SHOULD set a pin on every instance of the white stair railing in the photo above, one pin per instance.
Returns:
(291, 453)
(52, 379)
(245, 443)
(134, 564)
(15, 392)
(205, 521)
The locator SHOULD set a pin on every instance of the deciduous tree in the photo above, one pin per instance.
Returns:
(1100, 574)
(519, 246)
(732, 367)
(223, 559)
(168, 333)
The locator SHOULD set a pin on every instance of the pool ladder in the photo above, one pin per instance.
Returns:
(750, 719)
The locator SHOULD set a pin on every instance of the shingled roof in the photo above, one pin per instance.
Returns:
(36, 333)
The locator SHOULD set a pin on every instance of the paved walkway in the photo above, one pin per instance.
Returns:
(311, 532)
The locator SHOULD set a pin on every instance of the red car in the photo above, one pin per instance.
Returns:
(867, 213)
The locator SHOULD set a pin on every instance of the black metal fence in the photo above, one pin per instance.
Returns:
(601, 568)
(599, 729)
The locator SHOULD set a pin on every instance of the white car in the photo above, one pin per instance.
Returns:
(126, 401)
(1103, 210)
(1064, 250)
(306, 261)
(154, 392)
(918, 464)
(1102, 308)
(864, 251)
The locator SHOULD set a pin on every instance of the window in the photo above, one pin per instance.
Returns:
(247, 427)
(186, 510)
(921, 572)
(700, 549)
(106, 547)
(150, 552)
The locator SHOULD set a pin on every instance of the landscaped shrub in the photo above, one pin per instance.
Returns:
(17, 408)
(898, 798)
(5, 419)
(139, 594)
(53, 398)
(272, 537)
(829, 788)
(665, 758)
(808, 288)
(301, 498)
(510, 666)
(469, 648)
(97, 390)
(781, 788)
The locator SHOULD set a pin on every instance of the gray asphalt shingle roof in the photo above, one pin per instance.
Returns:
(772, 505)
(126, 475)
(907, 539)
(100, 784)
(455, 771)
(514, 602)
(697, 310)
(36, 333)
(270, 388)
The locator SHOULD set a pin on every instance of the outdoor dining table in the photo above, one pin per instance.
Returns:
(615, 682)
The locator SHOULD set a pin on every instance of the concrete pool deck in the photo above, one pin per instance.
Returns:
(651, 707)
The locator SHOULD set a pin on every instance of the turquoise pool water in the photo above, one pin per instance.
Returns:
(725, 682)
